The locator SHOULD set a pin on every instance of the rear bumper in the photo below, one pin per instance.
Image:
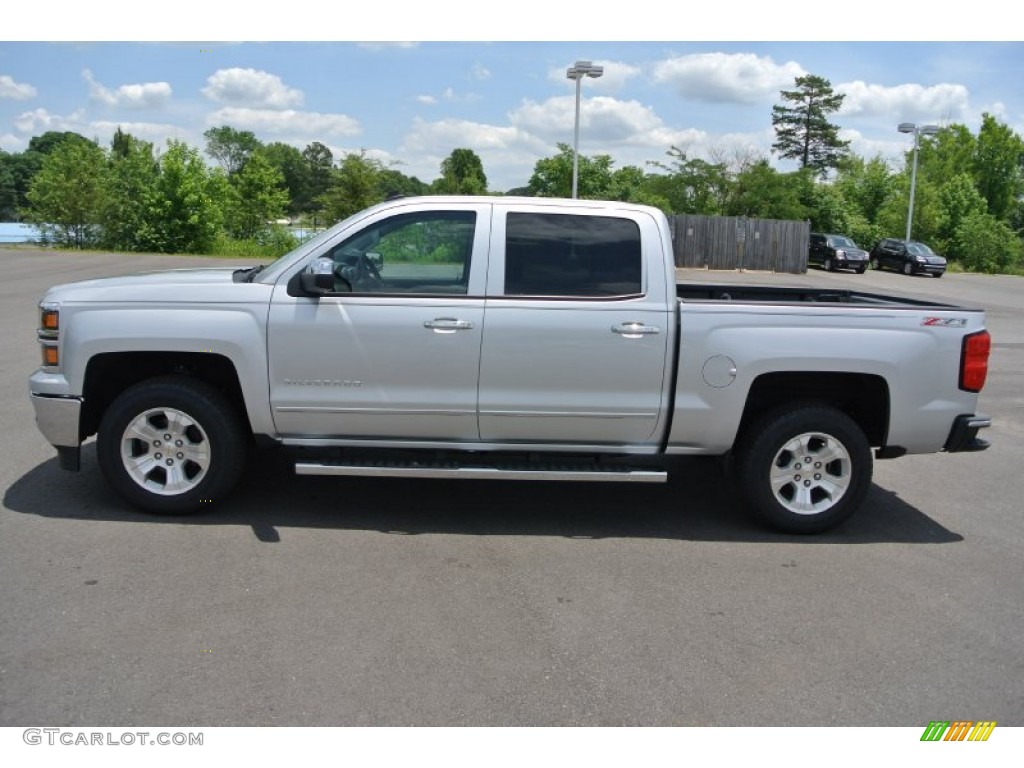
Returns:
(963, 437)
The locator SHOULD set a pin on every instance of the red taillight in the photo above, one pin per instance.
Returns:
(974, 361)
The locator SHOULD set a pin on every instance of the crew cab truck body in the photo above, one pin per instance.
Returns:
(501, 338)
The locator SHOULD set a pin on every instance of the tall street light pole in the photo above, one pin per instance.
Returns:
(577, 72)
(917, 130)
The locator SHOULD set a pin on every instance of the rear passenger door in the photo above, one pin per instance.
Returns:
(576, 328)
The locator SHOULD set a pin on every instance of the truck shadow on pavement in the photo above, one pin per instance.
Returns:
(697, 504)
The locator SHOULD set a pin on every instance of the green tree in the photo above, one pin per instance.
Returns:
(320, 162)
(230, 147)
(998, 168)
(959, 199)
(355, 185)
(132, 175)
(552, 176)
(259, 197)
(185, 212)
(982, 243)
(8, 188)
(49, 141)
(802, 129)
(294, 171)
(762, 192)
(691, 185)
(462, 173)
(393, 182)
(68, 194)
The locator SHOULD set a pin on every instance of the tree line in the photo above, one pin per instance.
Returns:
(132, 197)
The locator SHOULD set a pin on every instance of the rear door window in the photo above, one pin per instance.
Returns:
(555, 255)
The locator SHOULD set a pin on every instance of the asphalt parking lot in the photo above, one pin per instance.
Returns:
(320, 601)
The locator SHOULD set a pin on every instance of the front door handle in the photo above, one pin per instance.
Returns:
(447, 325)
(635, 330)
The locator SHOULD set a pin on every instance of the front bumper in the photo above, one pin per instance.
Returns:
(57, 418)
(963, 437)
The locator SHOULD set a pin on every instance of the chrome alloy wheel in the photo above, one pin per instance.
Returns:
(811, 473)
(165, 451)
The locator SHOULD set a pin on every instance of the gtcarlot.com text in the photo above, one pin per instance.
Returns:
(75, 738)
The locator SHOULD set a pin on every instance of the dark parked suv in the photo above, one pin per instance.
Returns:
(836, 252)
(908, 256)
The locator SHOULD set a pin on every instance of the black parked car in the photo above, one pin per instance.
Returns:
(836, 252)
(908, 256)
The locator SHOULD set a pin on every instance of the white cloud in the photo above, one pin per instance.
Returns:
(252, 88)
(603, 120)
(10, 89)
(910, 101)
(40, 120)
(616, 74)
(382, 46)
(445, 135)
(11, 143)
(426, 99)
(285, 122)
(481, 73)
(508, 153)
(727, 77)
(134, 96)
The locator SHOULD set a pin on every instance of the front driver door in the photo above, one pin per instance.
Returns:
(398, 355)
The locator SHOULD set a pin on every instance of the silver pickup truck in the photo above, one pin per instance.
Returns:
(505, 338)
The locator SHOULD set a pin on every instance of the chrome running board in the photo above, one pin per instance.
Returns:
(589, 473)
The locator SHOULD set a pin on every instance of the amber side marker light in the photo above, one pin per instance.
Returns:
(50, 320)
(51, 357)
(974, 361)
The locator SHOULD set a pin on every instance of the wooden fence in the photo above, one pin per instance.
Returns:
(736, 242)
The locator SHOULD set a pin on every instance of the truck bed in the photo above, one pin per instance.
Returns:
(760, 294)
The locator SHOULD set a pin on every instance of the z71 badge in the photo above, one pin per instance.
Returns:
(946, 322)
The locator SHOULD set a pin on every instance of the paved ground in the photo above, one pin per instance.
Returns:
(307, 601)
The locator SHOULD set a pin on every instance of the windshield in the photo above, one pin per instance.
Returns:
(841, 242)
(919, 249)
(271, 271)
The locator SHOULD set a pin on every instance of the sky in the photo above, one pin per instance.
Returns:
(410, 104)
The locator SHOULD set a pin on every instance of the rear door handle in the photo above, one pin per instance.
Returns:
(635, 330)
(447, 325)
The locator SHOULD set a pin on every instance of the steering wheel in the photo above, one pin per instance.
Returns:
(359, 271)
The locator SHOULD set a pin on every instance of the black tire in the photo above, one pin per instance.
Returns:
(861, 270)
(908, 269)
(875, 264)
(207, 446)
(939, 274)
(794, 501)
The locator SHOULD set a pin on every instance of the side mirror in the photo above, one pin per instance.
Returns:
(315, 284)
(317, 281)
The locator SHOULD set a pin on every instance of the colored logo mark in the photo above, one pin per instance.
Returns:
(958, 730)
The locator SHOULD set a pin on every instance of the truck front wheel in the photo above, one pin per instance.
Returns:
(171, 445)
(804, 468)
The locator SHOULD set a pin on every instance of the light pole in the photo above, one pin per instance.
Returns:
(577, 72)
(917, 130)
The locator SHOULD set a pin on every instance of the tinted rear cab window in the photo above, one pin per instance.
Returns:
(564, 255)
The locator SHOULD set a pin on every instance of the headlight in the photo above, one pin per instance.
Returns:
(49, 334)
(840, 253)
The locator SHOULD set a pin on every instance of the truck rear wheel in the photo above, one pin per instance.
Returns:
(804, 468)
(171, 445)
